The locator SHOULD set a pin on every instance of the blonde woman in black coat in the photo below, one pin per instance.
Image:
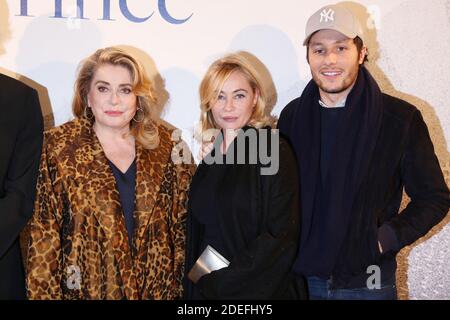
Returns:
(244, 195)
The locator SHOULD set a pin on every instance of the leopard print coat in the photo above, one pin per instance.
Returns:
(79, 248)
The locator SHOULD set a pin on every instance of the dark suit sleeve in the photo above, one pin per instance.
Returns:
(261, 271)
(17, 205)
(424, 184)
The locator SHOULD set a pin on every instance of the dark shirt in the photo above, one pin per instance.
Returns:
(319, 257)
(330, 119)
(126, 183)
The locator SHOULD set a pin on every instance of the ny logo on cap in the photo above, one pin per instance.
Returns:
(326, 15)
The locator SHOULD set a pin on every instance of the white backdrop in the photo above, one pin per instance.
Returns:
(42, 42)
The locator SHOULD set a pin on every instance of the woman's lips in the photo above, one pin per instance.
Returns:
(229, 119)
(114, 113)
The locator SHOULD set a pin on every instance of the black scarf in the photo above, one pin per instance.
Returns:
(355, 144)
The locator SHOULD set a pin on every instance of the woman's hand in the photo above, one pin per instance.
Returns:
(205, 150)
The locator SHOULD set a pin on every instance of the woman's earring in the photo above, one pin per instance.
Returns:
(88, 114)
(140, 118)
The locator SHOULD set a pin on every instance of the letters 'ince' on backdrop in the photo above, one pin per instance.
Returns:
(123, 5)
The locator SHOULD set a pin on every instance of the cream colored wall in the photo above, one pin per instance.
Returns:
(409, 44)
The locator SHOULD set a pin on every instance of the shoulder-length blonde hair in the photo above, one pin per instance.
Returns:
(214, 80)
(145, 131)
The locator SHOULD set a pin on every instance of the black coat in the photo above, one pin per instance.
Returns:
(259, 225)
(403, 158)
(21, 129)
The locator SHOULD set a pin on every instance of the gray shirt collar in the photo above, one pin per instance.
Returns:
(340, 104)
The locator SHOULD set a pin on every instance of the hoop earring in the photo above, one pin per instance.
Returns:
(88, 115)
(141, 118)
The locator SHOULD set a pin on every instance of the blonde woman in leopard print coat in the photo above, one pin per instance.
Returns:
(83, 245)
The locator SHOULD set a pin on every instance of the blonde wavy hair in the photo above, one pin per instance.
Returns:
(215, 78)
(146, 131)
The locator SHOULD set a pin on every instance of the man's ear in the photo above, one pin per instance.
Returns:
(362, 55)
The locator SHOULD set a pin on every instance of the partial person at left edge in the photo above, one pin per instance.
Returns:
(21, 127)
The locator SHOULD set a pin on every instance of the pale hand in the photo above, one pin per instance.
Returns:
(205, 150)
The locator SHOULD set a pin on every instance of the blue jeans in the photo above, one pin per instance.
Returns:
(319, 289)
